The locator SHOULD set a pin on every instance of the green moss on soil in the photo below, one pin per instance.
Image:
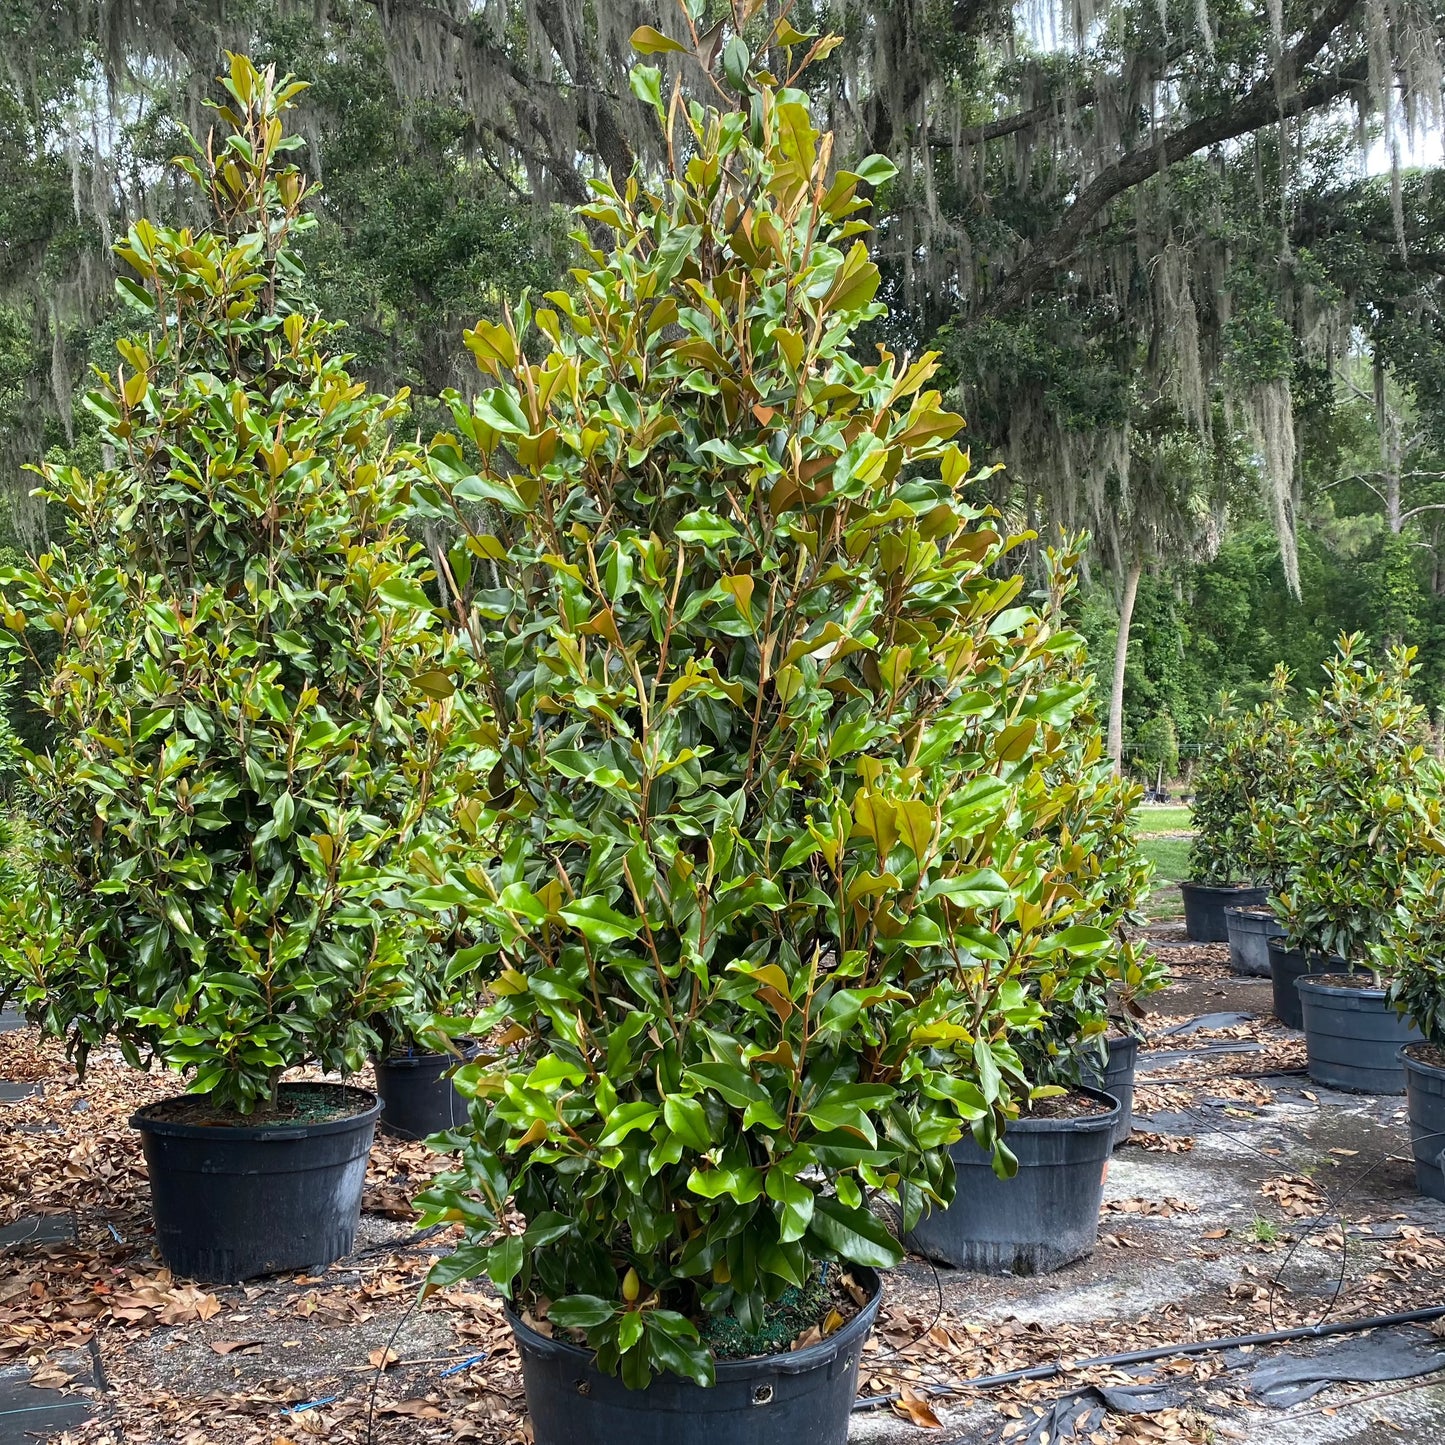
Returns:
(795, 1311)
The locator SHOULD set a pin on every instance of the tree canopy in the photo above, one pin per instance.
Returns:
(1181, 259)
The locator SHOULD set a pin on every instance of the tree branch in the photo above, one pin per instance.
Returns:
(597, 119)
(1023, 119)
(1257, 107)
(881, 120)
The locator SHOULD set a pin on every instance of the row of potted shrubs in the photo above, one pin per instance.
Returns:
(1320, 855)
(674, 747)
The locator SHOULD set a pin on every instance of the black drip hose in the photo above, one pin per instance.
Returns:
(1164, 1352)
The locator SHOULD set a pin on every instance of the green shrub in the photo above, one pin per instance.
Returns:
(247, 688)
(1410, 951)
(1275, 739)
(1098, 878)
(1243, 781)
(1367, 807)
(769, 707)
(1219, 852)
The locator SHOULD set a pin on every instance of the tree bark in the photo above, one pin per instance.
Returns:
(1121, 657)
(1388, 421)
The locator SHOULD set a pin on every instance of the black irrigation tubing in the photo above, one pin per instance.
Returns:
(1166, 1352)
(381, 1368)
(396, 1246)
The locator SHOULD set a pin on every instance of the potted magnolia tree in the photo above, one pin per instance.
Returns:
(1219, 856)
(766, 691)
(1412, 954)
(247, 698)
(1270, 740)
(1367, 810)
(1034, 1207)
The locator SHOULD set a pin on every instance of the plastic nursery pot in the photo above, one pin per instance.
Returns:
(1425, 1102)
(1043, 1218)
(1353, 1035)
(418, 1097)
(1204, 905)
(801, 1398)
(1250, 930)
(1286, 968)
(231, 1203)
(1116, 1079)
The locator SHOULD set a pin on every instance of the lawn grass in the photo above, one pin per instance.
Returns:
(1154, 820)
(1170, 857)
(1168, 854)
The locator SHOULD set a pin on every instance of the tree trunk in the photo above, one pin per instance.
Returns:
(1390, 451)
(1121, 656)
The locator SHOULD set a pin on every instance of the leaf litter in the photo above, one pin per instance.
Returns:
(303, 1351)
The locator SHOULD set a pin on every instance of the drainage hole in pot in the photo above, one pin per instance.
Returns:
(763, 1395)
(584, 1387)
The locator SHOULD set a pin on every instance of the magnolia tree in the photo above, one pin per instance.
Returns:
(248, 700)
(1367, 807)
(768, 703)
(1273, 734)
(1093, 874)
(1221, 801)
(1410, 951)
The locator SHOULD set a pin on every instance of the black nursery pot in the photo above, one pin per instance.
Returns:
(1250, 931)
(1043, 1218)
(1116, 1079)
(1425, 1101)
(1353, 1035)
(802, 1398)
(1286, 968)
(418, 1097)
(1204, 905)
(233, 1203)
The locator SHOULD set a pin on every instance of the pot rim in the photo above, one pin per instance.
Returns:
(418, 1058)
(788, 1362)
(1277, 946)
(1327, 984)
(1434, 1071)
(1224, 887)
(276, 1130)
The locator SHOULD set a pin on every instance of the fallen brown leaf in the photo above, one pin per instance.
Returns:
(234, 1347)
(917, 1409)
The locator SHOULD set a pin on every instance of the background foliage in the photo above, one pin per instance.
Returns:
(1181, 261)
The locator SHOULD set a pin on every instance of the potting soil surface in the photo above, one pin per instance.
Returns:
(1072, 1105)
(1248, 1199)
(297, 1104)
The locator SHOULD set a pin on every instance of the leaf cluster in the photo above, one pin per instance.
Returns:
(1244, 779)
(249, 709)
(1367, 807)
(1220, 807)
